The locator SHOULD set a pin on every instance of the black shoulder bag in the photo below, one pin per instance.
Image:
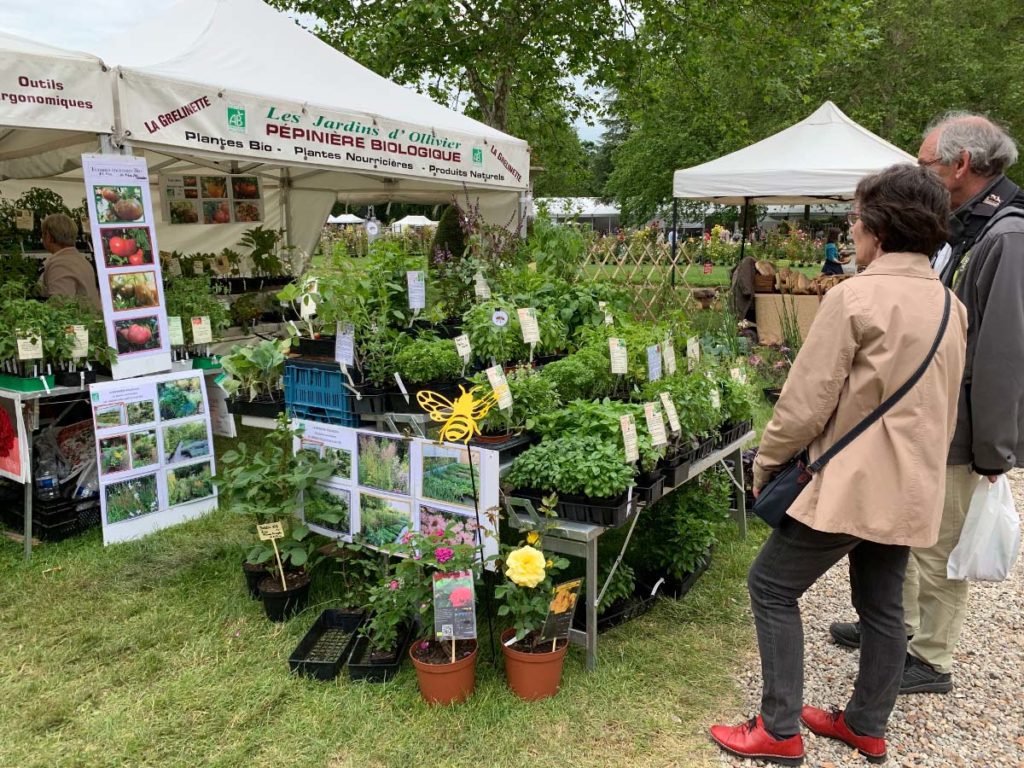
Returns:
(778, 495)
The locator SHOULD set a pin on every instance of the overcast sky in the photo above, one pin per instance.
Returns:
(75, 24)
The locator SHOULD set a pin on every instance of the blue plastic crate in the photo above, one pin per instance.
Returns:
(314, 384)
(325, 415)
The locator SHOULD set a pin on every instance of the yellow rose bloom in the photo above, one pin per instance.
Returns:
(525, 567)
(532, 537)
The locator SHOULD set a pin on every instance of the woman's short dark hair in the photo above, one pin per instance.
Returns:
(833, 235)
(906, 207)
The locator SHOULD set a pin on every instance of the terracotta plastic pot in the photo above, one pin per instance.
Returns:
(533, 676)
(445, 683)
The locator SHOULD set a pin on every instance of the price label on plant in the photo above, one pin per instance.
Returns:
(692, 353)
(417, 289)
(175, 332)
(738, 374)
(23, 220)
(463, 347)
(202, 331)
(668, 351)
(617, 351)
(655, 424)
(269, 531)
(716, 399)
(629, 440)
(345, 344)
(174, 267)
(499, 318)
(198, 267)
(603, 306)
(496, 377)
(670, 412)
(454, 606)
(528, 322)
(482, 289)
(560, 610)
(653, 362)
(30, 347)
(80, 346)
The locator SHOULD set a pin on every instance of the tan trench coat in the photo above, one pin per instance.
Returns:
(871, 333)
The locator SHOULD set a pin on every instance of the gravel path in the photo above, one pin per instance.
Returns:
(981, 723)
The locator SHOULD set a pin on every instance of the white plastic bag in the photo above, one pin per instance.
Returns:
(990, 539)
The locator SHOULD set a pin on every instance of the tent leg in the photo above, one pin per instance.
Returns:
(743, 227)
(286, 205)
(675, 237)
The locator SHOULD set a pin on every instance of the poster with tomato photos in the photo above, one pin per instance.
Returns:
(124, 241)
(154, 450)
(205, 199)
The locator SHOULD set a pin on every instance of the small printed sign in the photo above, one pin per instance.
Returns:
(668, 352)
(692, 353)
(620, 359)
(528, 322)
(80, 346)
(175, 332)
(417, 283)
(629, 440)
(23, 220)
(655, 424)
(716, 399)
(560, 610)
(345, 344)
(480, 287)
(498, 382)
(670, 412)
(738, 374)
(463, 347)
(454, 606)
(202, 331)
(174, 267)
(499, 318)
(654, 362)
(30, 347)
(603, 306)
(198, 267)
(269, 531)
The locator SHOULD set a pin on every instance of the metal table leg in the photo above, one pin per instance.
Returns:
(592, 604)
(28, 501)
(741, 492)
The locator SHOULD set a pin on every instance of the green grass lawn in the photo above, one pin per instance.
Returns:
(151, 653)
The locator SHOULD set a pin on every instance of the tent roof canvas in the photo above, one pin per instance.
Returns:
(822, 156)
(414, 221)
(345, 218)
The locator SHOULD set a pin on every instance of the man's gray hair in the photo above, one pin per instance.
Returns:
(991, 149)
(62, 230)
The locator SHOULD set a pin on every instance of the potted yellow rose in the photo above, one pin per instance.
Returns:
(533, 666)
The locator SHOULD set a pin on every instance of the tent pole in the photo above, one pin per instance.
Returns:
(743, 226)
(675, 236)
(286, 204)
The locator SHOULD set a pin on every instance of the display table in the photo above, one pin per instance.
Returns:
(20, 400)
(772, 308)
(580, 539)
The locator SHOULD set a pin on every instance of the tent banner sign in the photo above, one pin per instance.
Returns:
(52, 92)
(127, 263)
(193, 117)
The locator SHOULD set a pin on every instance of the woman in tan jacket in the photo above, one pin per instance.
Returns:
(883, 493)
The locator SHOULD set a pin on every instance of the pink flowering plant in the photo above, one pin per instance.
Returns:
(771, 365)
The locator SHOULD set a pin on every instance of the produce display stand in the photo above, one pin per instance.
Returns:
(56, 396)
(581, 539)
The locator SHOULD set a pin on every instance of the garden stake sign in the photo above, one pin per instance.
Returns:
(454, 607)
(560, 610)
(272, 532)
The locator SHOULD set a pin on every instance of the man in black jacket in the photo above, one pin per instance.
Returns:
(984, 264)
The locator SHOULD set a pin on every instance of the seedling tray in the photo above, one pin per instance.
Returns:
(327, 645)
(20, 384)
(361, 668)
(265, 408)
(650, 487)
(621, 611)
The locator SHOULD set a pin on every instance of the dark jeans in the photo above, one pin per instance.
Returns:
(831, 268)
(792, 559)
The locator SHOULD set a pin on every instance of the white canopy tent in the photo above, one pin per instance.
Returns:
(821, 157)
(414, 222)
(205, 94)
(345, 218)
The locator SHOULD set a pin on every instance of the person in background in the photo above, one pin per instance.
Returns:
(883, 494)
(833, 264)
(66, 271)
(984, 264)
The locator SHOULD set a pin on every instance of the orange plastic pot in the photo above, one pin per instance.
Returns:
(445, 683)
(532, 676)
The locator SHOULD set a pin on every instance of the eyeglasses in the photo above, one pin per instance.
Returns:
(928, 163)
(852, 217)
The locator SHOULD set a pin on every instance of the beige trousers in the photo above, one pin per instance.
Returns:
(933, 606)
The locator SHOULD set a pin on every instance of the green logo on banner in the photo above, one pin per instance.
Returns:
(478, 156)
(236, 119)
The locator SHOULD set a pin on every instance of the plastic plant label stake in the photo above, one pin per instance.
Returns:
(716, 399)
(668, 351)
(23, 220)
(175, 331)
(344, 344)
(655, 424)
(272, 532)
(617, 351)
(202, 331)
(401, 386)
(737, 374)
(629, 440)
(692, 353)
(528, 323)
(80, 348)
(481, 288)
(560, 610)
(30, 347)
(198, 267)
(653, 362)
(463, 347)
(174, 268)
(670, 412)
(496, 378)
(603, 306)
(417, 289)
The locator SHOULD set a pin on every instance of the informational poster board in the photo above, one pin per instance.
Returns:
(154, 446)
(124, 241)
(14, 458)
(387, 484)
(211, 199)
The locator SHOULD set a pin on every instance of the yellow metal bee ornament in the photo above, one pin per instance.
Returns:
(460, 417)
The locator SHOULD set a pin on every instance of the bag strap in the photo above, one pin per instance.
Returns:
(894, 398)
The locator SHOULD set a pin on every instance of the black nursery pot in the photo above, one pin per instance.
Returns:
(254, 574)
(282, 605)
(74, 378)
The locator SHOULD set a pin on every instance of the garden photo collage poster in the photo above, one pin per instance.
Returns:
(127, 263)
(154, 446)
(385, 485)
